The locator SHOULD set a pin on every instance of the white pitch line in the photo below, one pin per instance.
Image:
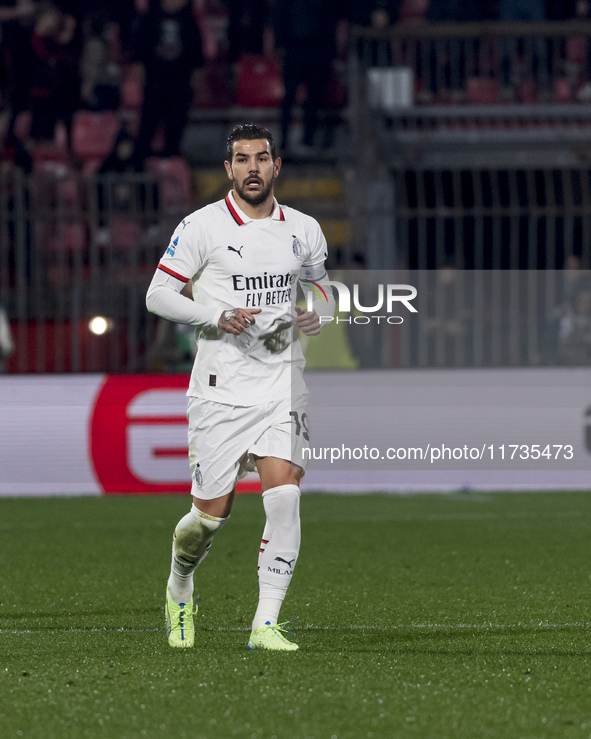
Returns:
(314, 627)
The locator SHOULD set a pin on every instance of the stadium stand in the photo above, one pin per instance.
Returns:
(515, 146)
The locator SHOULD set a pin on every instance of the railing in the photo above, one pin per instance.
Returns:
(493, 219)
(73, 249)
(484, 63)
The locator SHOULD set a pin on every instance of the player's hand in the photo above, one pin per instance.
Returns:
(237, 320)
(307, 321)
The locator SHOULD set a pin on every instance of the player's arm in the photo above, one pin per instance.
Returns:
(164, 298)
(185, 256)
(314, 281)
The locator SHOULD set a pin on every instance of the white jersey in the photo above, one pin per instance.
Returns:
(234, 261)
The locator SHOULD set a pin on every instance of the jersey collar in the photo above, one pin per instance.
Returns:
(242, 219)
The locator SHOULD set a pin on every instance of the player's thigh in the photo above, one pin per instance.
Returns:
(215, 449)
(275, 472)
(281, 452)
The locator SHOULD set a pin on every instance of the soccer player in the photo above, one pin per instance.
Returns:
(244, 256)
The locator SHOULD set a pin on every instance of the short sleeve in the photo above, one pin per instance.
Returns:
(185, 254)
(318, 250)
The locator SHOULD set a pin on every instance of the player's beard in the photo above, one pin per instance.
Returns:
(254, 198)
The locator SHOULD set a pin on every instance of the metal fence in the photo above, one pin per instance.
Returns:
(500, 260)
(72, 249)
(468, 318)
(484, 62)
(494, 219)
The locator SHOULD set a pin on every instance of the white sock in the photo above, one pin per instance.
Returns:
(190, 544)
(279, 550)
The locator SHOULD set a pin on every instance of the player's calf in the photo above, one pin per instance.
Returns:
(191, 542)
(278, 555)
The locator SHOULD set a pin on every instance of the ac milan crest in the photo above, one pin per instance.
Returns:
(297, 247)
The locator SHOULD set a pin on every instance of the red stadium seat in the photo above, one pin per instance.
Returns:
(212, 89)
(93, 134)
(50, 161)
(527, 91)
(91, 166)
(177, 181)
(482, 91)
(61, 237)
(126, 233)
(562, 90)
(132, 90)
(211, 45)
(576, 49)
(22, 124)
(336, 94)
(96, 353)
(413, 10)
(259, 82)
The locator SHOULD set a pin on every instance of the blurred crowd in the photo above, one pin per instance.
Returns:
(155, 59)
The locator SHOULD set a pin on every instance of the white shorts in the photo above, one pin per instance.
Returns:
(224, 440)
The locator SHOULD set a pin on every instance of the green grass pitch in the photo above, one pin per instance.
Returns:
(424, 616)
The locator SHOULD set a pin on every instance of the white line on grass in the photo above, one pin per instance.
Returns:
(315, 627)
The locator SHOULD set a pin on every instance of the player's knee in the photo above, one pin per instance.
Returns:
(194, 533)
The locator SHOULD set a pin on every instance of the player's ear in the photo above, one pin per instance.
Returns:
(228, 167)
(276, 167)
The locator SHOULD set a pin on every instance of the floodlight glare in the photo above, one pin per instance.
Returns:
(99, 325)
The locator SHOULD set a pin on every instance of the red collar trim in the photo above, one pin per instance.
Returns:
(235, 215)
(234, 212)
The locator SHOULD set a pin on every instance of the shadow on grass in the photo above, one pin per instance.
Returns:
(447, 641)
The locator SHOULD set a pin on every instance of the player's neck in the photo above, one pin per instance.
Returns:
(256, 212)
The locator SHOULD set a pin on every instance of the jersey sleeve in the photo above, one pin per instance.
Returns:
(318, 250)
(182, 260)
(315, 284)
(187, 252)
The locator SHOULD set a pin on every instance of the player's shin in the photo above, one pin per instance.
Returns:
(191, 543)
(279, 550)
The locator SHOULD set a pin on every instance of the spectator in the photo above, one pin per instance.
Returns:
(305, 34)
(455, 11)
(6, 343)
(448, 58)
(120, 195)
(16, 17)
(13, 155)
(524, 10)
(377, 14)
(574, 326)
(55, 81)
(122, 13)
(122, 158)
(246, 27)
(101, 75)
(168, 45)
(566, 10)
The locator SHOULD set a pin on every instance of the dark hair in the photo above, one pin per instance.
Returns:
(249, 132)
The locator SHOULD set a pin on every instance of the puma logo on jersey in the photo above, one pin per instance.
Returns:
(238, 251)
